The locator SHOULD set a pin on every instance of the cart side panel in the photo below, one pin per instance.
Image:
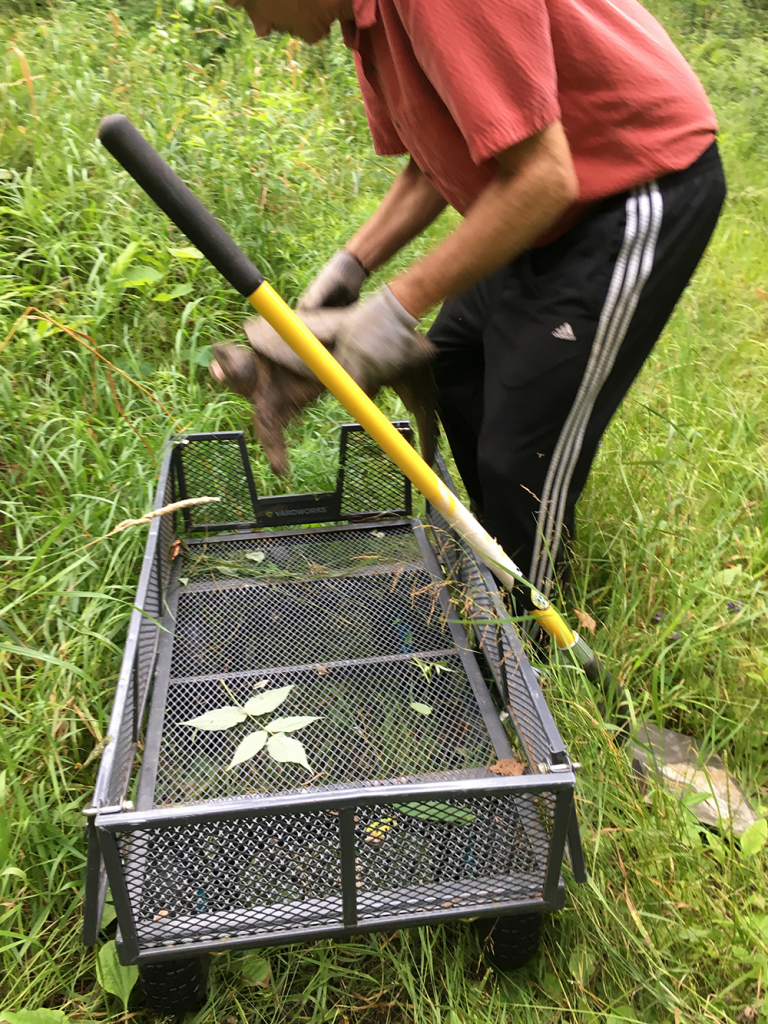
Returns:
(269, 875)
(218, 466)
(370, 483)
(494, 626)
(132, 690)
(203, 882)
(417, 857)
(150, 605)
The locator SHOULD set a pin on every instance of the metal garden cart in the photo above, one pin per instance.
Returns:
(390, 636)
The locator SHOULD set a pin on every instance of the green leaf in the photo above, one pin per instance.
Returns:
(742, 955)
(552, 985)
(621, 1015)
(255, 556)
(203, 356)
(754, 838)
(135, 367)
(430, 810)
(221, 718)
(263, 703)
(291, 723)
(581, 964)
(108, 916)
(190, 253)
(200, 356)
(423, 709)
(248, 748)
(35, 1017)
(123, 260)
(256, 970)
(137, 277)
(175, 293)
(284, 748)
(113, 977)
(692, 799)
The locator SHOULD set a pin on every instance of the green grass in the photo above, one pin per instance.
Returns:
(674, 523)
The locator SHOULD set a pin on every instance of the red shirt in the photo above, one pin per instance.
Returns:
(454, 82)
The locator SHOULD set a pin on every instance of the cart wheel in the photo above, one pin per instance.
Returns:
(509, 942)
(175, 986)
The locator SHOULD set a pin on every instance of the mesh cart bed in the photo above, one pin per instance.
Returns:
(388, 633)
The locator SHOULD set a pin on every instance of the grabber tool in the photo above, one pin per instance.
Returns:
(170, 193)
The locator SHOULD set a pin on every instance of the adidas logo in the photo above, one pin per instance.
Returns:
(565, 332)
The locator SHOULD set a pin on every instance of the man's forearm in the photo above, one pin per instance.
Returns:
(405, 211)
(535, 185)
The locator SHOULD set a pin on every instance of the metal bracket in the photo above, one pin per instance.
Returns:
(92, 811)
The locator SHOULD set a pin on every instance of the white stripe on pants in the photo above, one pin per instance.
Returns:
(644, 212)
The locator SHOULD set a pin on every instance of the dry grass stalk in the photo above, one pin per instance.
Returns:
(27, 76)
(164, 511)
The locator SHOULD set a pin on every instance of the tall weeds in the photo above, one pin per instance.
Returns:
(670, 558)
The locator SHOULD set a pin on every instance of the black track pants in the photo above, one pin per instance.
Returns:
(534, 360)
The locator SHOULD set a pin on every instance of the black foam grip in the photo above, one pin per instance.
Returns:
(166, 188)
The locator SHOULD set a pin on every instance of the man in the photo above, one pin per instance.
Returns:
(579, 146)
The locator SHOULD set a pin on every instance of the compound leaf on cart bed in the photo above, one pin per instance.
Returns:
(221, 718)
(285, 748)
(263, 703)
(291, 723)
(248, 748)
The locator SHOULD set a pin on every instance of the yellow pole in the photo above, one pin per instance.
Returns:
(276, 312)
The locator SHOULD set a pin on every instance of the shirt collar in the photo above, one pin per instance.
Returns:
(365, 12)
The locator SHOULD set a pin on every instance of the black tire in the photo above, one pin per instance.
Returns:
(509, 942)
(175, 986)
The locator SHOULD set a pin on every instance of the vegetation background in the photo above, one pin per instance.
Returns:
(671, 555)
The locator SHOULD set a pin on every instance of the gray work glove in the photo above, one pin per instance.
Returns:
(377, 340)
(337, 284)
(273, 378)
(279, 385)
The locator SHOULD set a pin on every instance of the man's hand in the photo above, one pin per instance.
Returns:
(337, 284)
(376, 341)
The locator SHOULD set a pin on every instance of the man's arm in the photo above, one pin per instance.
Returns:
(410, 206)
(536, 183)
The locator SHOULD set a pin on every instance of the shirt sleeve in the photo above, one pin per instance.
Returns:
(492, 64)
(386, 140)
